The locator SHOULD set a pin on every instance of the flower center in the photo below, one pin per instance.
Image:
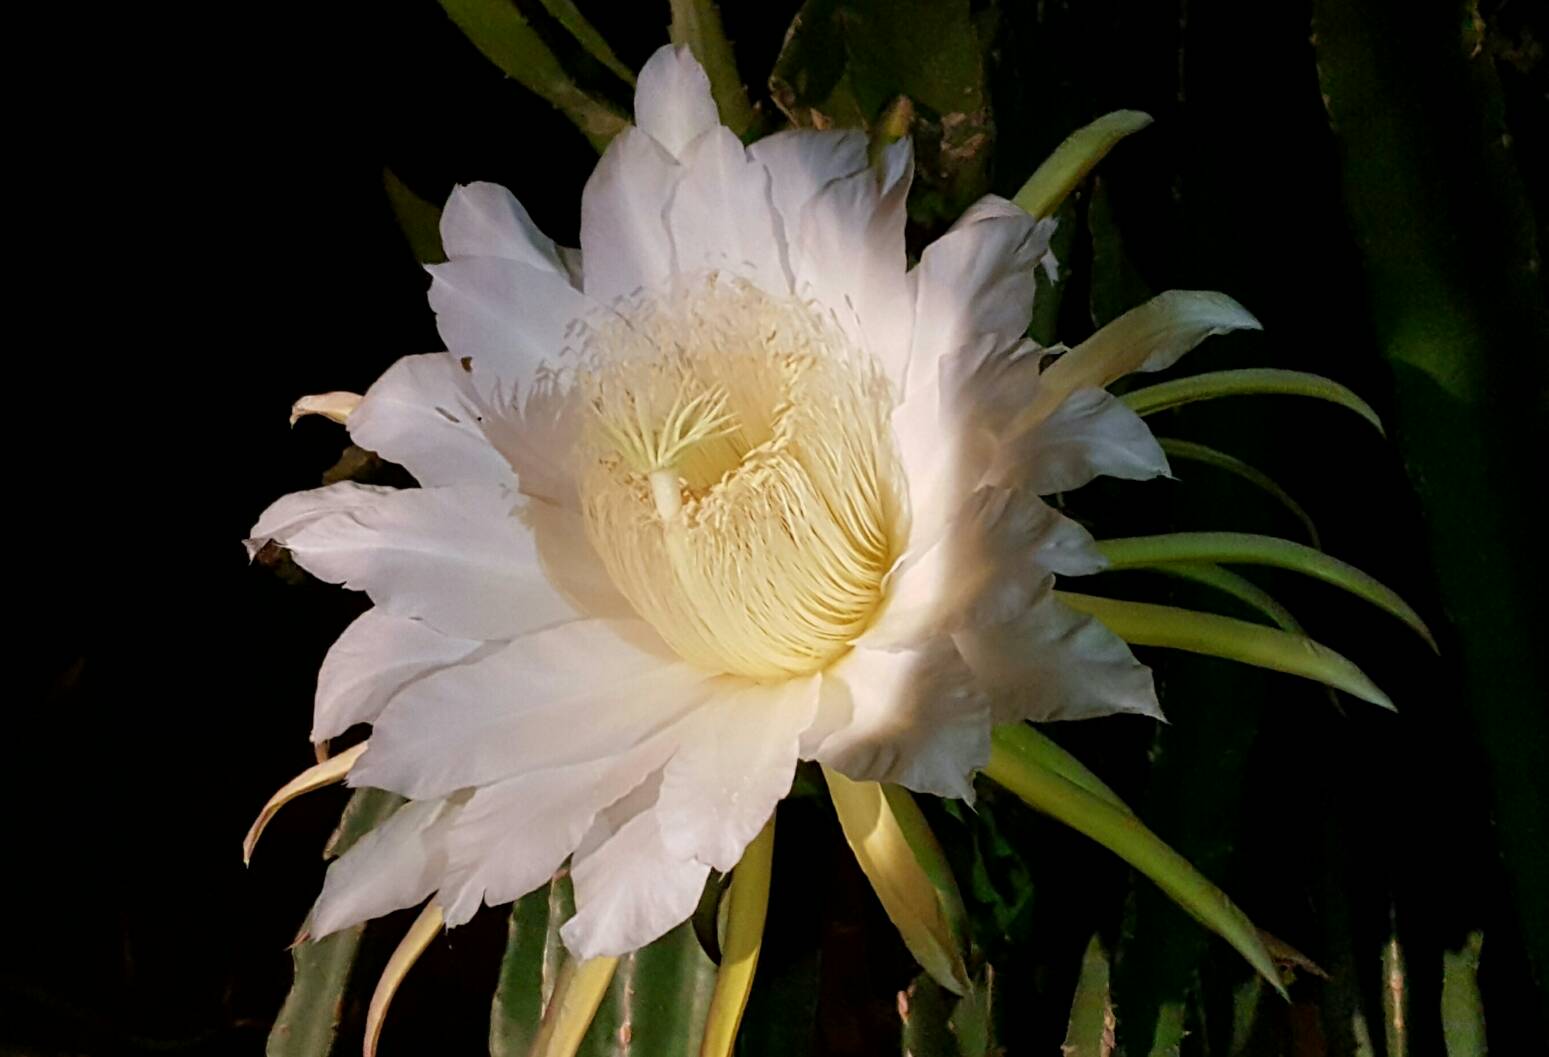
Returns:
(740, 482)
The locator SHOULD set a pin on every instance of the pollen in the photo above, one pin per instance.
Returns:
(740, 482)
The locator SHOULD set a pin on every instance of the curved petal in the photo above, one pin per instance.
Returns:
(987, 383)
(801, 161)
(629, 889)
(459, 558)
(1149, 337)
(737, 758)
(1055, 663)
(486, 220)
(578, 692)
(943, 452)
(396, 865)
(673, 104)
(294, 513)
(941, 459)
(536, 431)
(507, 320)
(571, 562)
(421, 415)
(721, 217)
(512, 835)
(913, 717)
(848, 253)
(947, 426)
(1092, 433)
(988, 565)
(428, 414)
(976, 279)
(624, 243)
(375, 657)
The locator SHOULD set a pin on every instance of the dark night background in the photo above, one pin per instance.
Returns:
(207, 238)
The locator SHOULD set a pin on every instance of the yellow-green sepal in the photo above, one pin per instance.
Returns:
(578, 992)
(1247, 381)
(1014, 764)
(1144, 624)
(899, 855)
(1073, 159)
(745, 908)
(1243, 548)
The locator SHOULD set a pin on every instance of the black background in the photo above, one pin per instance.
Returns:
(203, 237)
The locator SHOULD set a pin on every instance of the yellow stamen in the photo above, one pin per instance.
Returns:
(741, 484)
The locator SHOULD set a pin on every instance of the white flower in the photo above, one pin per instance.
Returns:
(728, 488)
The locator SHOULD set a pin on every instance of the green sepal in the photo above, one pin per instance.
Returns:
(1247, 381)
(1144, 624)
(1202, 453)
(1242, 548)
(1127, 837)
(1073, 159)
(419, 220)
(504, 37)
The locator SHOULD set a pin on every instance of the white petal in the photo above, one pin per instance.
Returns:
(947, 426)
(1092, 433)
(895, 168)
(1055, 663)
(989, 564)
(849, 254)
(486, 220)
(394, 866)
(672, 99)
(536, 431)
(293, 513)
(373, 659)
(578, 692)
(507, 318)
(1169, 325)
(722, 219)
(987, 384)
(459, 557)
(629, 889)
(737, 759)
(976, 279)
(511, 836)
(801, 161)
(944, 437)
(421, 414)
(1149, 337)
(571, 562)
(910, 716)
(624, 242)
(943, 461)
